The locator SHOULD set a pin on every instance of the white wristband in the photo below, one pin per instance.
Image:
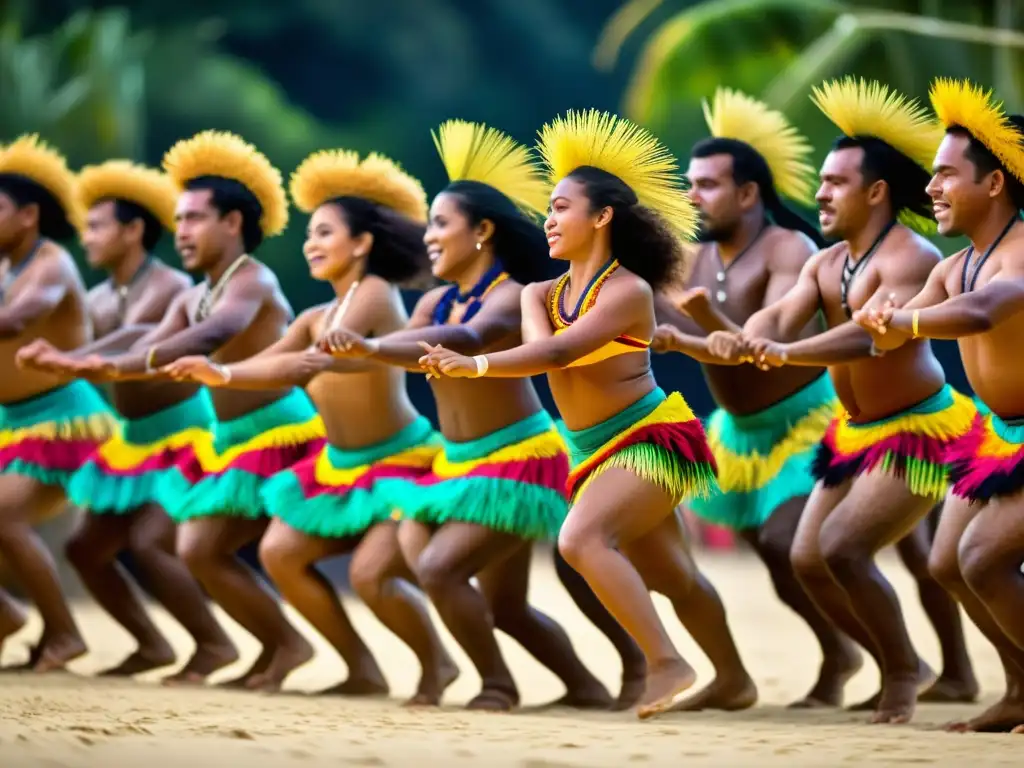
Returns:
(482, 364)
(223, 370)
(373, 345)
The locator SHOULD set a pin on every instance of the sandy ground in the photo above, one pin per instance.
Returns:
(70, 720)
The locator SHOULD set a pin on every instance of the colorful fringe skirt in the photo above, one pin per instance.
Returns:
(129, 470)
(911, 445)
(338, 493)
(49, 436)
(988, 462)
(226, 467)
(512, 480)
(657, 438)
(764, 459)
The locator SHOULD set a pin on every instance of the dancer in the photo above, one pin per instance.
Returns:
(128, 209)
(47, 426)
(768, 424)
(975, 297)
(498, 484)
(364, 237)
(616, 217)
(881, 466)
(231, 199)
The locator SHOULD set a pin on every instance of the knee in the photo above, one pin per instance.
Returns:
(807, 563)
(81, 551)
(279, 553)
(199, 554)
(434, 571)
(575, 543)
(979, 571)
(944, 567)
(146, 539)
(368, 579)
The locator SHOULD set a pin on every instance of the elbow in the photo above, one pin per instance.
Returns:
(982, 321)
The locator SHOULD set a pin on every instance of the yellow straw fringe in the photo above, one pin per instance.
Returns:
(119, 455)
(673, 410)
(993, 446)
(98, 427)
(420, 457)
(546, 445)
(952, 422)
(754, 471)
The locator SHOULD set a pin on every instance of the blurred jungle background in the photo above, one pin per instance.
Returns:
(127, 79)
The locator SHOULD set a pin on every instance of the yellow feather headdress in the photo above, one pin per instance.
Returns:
(859, 108)
(734, 115)
(218, 153)
(625, 150)
(474, 152)
(336, 173)
(960, 102)
(123, 180)
(32, 158)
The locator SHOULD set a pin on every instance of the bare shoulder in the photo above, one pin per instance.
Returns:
(626, 284)
(378, 289)
(828, 255)
(787, 248)
(430, 299)
(54, 263)
(171, 279)
(540, 289)
(909, 255)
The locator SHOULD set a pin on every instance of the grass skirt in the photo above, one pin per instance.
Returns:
(338, 493)
(49, 436)
(912, 445)
(226, 466)
(764, 459)
(128, 470)
(512, 480)
(988, 462)
(658, 439)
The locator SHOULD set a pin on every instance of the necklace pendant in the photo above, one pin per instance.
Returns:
(720, 277)
(720, 297)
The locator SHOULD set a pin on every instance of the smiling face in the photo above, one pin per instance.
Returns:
(572, 225)
(202, 234)
(330, 248)
(714, 192)
(844, 200)
(452, 239)
(960, 194)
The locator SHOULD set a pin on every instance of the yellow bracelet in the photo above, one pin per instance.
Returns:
(150, 359)
(913, 321)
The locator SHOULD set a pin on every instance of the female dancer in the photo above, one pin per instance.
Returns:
(635, 452)
(498, 484)
(365, 236)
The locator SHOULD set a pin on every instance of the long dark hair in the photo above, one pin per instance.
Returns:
(519, 243)
(907, 181)
(748, 165)
(985, 162)
(641, 240)
(53, 220)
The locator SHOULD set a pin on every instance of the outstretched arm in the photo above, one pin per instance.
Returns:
(878, 320)
(967, 314)
(791, 299)
(668, 338)
(623, 306)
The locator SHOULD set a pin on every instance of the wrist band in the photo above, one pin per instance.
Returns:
(223, 370)
(373, 345)
(150, 360)
(482, 364)
(913, 322)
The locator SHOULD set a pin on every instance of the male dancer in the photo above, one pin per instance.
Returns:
(129, 207)
(47, 427)
(881, 467)
(232, 198)
(976, 297)
(768, 424)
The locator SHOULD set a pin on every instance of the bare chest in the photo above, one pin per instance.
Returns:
(738, 290)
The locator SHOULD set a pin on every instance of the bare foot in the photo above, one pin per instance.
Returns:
(926, 677)
(1018, 729)
(494, 700)
(56, 651)
(898, 701)
(952, 690)
(728, 695)
(836, 671)
(634, 680)
(286, 659)
(432, 687)
(261, 665)
(667, 681)
(592, 696)
(206, 660)
(143, 660)
(1003, 716)
(359, 686)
